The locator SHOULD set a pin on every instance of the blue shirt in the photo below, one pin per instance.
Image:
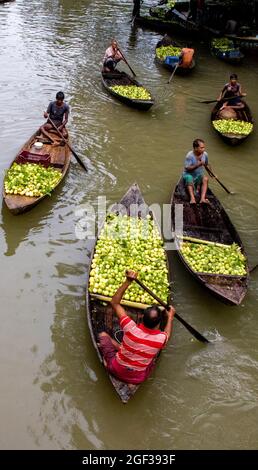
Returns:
(191, 159)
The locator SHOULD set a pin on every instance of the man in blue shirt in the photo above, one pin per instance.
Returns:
(193, 174)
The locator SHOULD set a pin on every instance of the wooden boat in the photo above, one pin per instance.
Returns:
(243, 114)
(101, 317)
(167, 41)
(232, 56)
(249, 43)
(110, 79)
(210, 222)
(174, 21)
(60, 157)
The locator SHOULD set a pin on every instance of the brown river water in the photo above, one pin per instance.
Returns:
(54, 392)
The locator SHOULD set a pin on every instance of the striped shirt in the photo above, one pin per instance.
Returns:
(140, 345)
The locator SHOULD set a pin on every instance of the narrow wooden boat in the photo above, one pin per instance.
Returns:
(100, 316)
(243, 114)
(110, 79)
(249, 43)
(210, 222)
(60, 157)
(232, 56)
(169, 64)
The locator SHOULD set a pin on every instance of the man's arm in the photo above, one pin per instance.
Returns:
(193, 167)
(222, 94)
(170, 317)
(48, 111)
(65, 120)
(116, 299)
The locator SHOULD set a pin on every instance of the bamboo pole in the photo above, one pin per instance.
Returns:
(204, 242)
(127, 303)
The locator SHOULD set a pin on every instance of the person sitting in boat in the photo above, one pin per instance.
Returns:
(112, 57)
(132, 361)
(186, 57)
(193, 175)
(232, 90)
(58, 112)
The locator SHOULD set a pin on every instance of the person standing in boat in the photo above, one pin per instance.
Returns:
(193, 175)
(132, 361)
(232, 90)
(58, 112)
(112, 57)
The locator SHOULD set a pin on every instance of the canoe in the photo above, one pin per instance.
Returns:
(100, 316)
(232, 56)
(249, 43)
(166, 63)
(243, 115)
(210, 222)
(174, 22)
(60, 157)
(121, 78)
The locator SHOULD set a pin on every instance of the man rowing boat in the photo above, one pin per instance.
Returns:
(112, 57)
(132, 361)
(193, 174)
(232, 90)
(58, 112)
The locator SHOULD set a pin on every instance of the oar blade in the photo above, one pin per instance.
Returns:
(79, 160)
(192, 330)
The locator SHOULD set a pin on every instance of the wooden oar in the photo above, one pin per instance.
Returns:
(217, 179)
(68, 145)
(173, 73)
(118, 48)
(192, 330)
(253, 268)
(222, 99)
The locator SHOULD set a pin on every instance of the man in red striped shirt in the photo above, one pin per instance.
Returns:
(132, 361)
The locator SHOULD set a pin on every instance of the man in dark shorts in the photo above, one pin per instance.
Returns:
(132, 361)
(58, 112)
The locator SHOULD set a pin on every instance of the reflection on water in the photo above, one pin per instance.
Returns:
(201, 397)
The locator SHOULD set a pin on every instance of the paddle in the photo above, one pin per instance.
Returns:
(217, 179)
(192, 330)
(253, 268)
(173, 73)
(118, 48)
(68, 145)
(222, 99)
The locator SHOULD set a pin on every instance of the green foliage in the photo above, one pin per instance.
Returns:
(129, 243)
(164, 51)
(223, 45)
(132, 91)
(31, 179)
(231, 126)
(215, 259)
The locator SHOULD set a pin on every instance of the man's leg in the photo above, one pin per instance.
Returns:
(205, 180)
(44, 129)
(108, 347)
(64, 133)
(189, 182)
